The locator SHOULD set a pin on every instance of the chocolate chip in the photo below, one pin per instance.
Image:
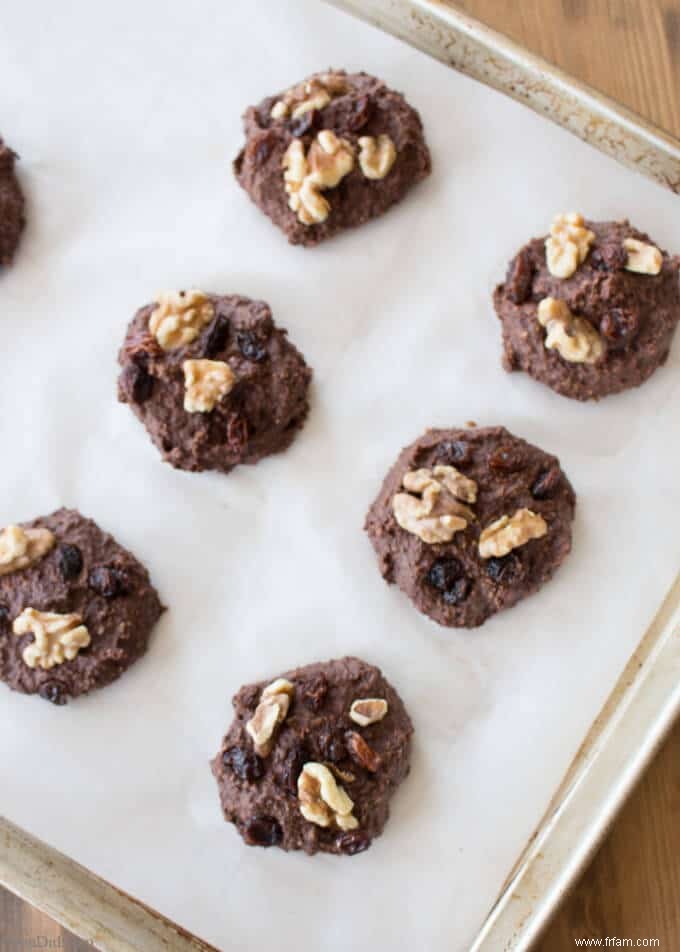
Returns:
(619, 326)
(137, 383)
(250, 346)
(53, 691)
(301, 125)
(108, 581)
(546, 483)
(454, 452)
(313, 693)
(353, 842)
(69, 561)
(286, 773)
(507, 570)
(520, 277)
(331, 745)
(216, 337)
(237, 432)
(362, 110)
(244, 763)
(261, 831)
(507, 459)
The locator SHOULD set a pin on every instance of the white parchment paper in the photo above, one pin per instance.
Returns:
(127, 117)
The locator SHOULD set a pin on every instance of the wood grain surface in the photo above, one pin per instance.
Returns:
(629, 49)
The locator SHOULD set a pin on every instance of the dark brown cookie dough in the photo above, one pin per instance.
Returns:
(264, 789)
(11, 205)
(262, 403)
(351, 107)
(450, 580)
(70, 567)
(633, 314)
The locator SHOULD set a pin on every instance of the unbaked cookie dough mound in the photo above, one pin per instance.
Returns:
(76, 608)
(313, 757)
(331, 152)
(11, 205)
(591, 309)
(470, 521)
(213, 379)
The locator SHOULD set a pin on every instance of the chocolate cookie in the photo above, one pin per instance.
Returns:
(312, 758)
(331, 152)
(76, 608)
(470, 521)
(591, 309)
(11, 205)
(213, 379)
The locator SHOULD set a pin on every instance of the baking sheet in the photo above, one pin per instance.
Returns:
(126, 120)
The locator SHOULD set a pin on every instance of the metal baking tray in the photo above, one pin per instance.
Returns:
(644, 702)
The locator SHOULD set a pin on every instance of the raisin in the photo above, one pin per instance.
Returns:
(443, 573)
(520, 277)
(237, 432)
(362, 110)
(507, 570)
(507, 459)
(261, 831)
(301, 125)
(619, 326)
(289, 769)
(546, 483)
(216, 337)
(245, 763)
(454, 452)
(108, 581)
(331, 745)
(250, 346)
(70, 561)
(137, 383)
(313, 693)
(352, 843)
(53, 691)
(4, 614)
(458, 592)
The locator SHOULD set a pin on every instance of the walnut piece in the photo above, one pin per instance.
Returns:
(568, 244)
(642, 258)
(314, 93)
(574, 338)
(269, 715)
(435, 514)
(326, 163)
(179, 317)
(510, 532)
(376, 156)
(367, 710)
(20, 548)
(205, 383)
(322, 801)
(58, 638)
(362, 753)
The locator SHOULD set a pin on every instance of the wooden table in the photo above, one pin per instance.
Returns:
(629, 49)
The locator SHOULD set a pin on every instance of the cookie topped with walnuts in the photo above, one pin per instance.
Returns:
(213, 379)
(333, 151)
(76, 608)
(590, 309)
(470, 521)
(313, 757)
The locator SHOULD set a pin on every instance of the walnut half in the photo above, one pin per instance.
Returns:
(322, 801)
(642, 258)
(305, 176)
(269, 714)
(574, 338)
(179, 317)
(58, 638)
(435, 514)
(20, 548)
(368, 710)
(568, 244)
(510, 532)
(376, 156)
(313, 93)
(205, 383)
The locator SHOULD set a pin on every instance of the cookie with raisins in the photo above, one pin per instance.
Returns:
(11, 205)
(76, 608)
(591, 309)
(332, 152)
(213, 379)
(313, 757)
(470, 521)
